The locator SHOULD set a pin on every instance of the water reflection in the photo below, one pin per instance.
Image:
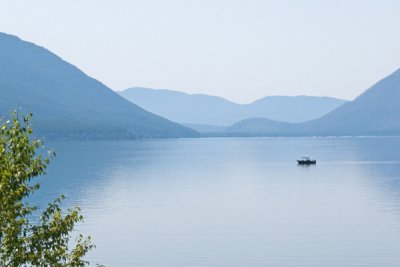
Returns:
(235, 202)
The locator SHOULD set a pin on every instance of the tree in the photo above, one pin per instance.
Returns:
(28, 237)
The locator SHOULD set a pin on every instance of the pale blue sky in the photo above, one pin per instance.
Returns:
(240, 50)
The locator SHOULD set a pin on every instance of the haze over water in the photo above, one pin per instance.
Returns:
(234, 202)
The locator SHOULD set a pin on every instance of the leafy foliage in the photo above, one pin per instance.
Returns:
(25, 241)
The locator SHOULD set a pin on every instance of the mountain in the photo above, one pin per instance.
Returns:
(253, 126)
(184, 108)
(292, 108)
(199, 109)
(66, 102)
(205, 128)
(375, 112)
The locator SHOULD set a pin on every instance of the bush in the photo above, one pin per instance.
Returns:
(25, 241)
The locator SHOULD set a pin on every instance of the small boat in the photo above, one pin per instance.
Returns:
(306, 161)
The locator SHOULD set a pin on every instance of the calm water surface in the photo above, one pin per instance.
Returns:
(234, 202)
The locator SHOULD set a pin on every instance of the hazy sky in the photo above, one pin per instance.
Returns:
(241, 50)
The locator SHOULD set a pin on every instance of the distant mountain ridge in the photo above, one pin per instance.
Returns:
(66, 102)
(203, 109)
(375, 112)
(69, 104)
(257, 125)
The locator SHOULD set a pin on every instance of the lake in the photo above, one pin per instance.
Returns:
(233, 201)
